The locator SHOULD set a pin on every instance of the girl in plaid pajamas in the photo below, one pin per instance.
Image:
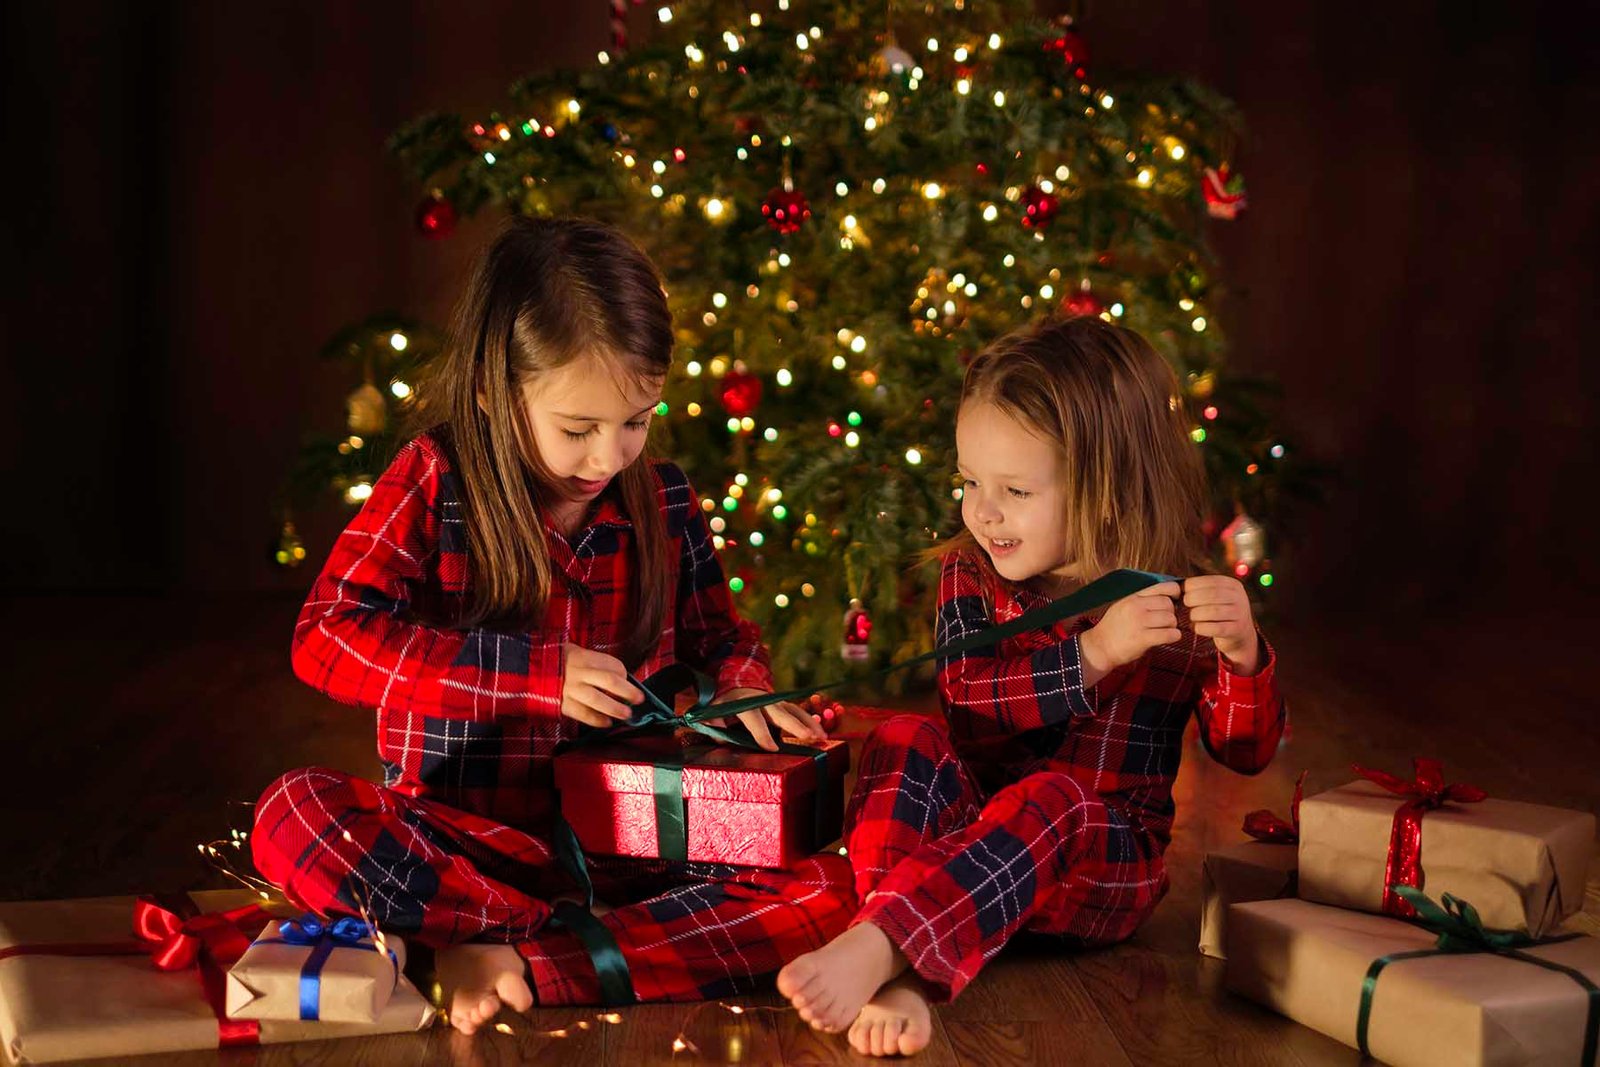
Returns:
(511, 568)
(1048, 803)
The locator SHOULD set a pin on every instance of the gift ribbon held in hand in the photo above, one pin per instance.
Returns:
(1461, 931)
(1427, 790)
(324, 937)
(1264, 825)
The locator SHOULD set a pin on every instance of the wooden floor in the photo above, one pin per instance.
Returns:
(134, 722)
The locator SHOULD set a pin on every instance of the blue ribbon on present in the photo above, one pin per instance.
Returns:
(323, 937)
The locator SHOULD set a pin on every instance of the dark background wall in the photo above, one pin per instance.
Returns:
(199, 196)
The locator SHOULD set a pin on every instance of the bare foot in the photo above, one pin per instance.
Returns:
(896, 1022)
(478, 979)
(830, 986)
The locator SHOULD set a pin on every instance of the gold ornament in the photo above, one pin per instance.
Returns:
(290, 550)
(941, 305)
(365, 410)
(1244, 542)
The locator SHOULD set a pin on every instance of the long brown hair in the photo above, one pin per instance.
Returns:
(544, 293)
(1135, 486)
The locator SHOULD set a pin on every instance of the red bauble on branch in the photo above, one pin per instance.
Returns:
(785, 209)
(1038, 208)
(1082, 302)
(436, 218)
(740, 393)
(857, 633)
(1069, 44)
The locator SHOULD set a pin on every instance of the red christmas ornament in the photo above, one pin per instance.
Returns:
(740, 393)
(857, 633)
(1083, 302)
(436, 219)
(1038, 208)
(1069, 44)
(785, 209)
(1224, 192)
(830, 712)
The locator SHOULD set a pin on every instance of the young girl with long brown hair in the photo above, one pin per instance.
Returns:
(517, 562)
(1048, 803)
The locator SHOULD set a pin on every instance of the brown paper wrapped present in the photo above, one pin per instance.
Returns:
(1309, 962)
(335, 971)
(1523, 866)
(75, 984)
(1238, 874)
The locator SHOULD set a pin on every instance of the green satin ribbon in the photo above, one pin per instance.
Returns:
(616, 987)
(656, 710)
(1460, 930)
(1103, 590)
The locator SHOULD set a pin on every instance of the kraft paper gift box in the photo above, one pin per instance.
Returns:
(1263, 868)
(1310, 962)
(1523, 866)
(308, 969)
(1238, 874)
(673, 796)
(75, 984)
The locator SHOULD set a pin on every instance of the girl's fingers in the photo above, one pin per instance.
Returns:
(1166, 589)
(603, 704)
(587, 716)
(794, 722)
(756, 723)
(1215, 613)
(615, 684)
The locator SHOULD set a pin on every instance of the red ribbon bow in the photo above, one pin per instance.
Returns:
(214, 942)
(1427, 790)
(175, 941)
(176, 936)
(1264, 825)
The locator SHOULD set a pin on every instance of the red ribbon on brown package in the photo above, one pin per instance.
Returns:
(176, 935)
(1427, 790)
(1264, 825)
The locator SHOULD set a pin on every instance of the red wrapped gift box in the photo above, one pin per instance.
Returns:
(751, 809)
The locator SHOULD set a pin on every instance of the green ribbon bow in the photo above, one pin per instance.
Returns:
(656, 711)
(1460, 930)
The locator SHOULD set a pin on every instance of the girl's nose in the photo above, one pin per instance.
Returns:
(984, 511)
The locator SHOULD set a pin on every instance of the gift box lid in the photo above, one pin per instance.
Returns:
(710, 771)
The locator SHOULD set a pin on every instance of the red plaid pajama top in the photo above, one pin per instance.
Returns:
(472, 717)
(1021, 706)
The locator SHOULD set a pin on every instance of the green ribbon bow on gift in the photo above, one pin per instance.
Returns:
(656, 712)
(1461, 931)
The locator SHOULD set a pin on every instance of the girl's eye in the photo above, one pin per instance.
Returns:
(960, 481)
(579, 436)
(1020, 494)
(637, 424)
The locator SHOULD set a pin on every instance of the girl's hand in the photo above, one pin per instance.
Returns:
(1130, 627)
(1219, 608)
(786, 717)
(596, 690)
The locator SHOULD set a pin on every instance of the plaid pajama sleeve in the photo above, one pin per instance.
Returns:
(988, 692)
(356, 642)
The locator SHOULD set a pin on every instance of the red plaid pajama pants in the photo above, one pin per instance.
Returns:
(951, 876)
(338, 844)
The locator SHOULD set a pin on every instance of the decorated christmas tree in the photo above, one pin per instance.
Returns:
(846, 203)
